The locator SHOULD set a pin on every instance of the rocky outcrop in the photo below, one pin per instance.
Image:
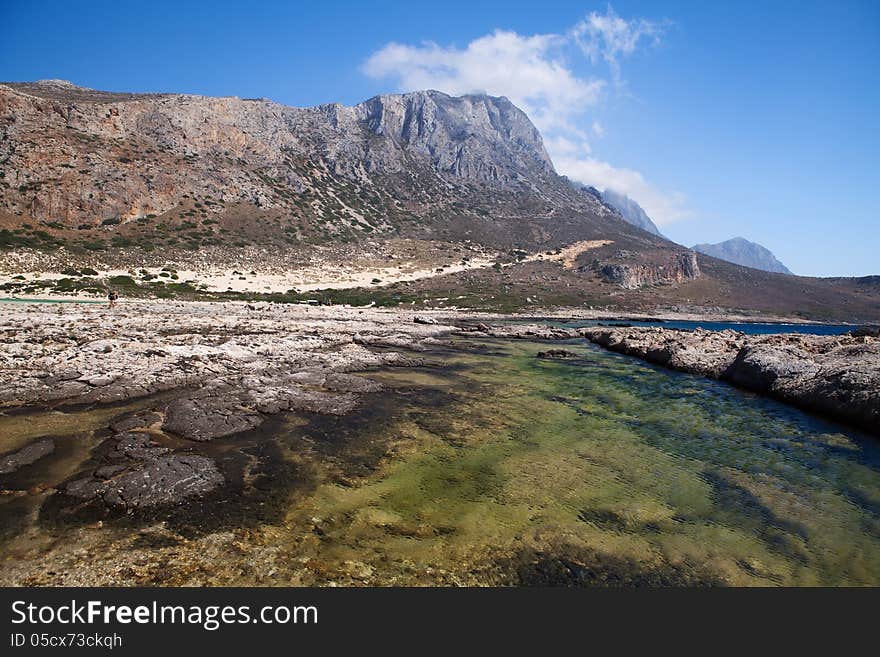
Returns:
(680, 267)
(837, 376)
(165, 481)
(222, 410)
(209, 417)
(708, 353)
(116, 157)
(134, 472)
(476, 137)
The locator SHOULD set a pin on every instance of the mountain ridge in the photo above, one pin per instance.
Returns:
(121, 157)
(630, 210)
(741, 251)
(137, 182)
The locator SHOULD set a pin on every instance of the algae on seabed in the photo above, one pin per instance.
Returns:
(502, 468)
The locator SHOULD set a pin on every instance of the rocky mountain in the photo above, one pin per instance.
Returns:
(630, 210)
(185, 172)
(81, 157)
(447, 199)
(740, 251)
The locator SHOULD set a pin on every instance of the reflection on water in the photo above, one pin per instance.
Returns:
(497, 468)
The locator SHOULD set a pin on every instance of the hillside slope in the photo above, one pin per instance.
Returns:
(415, 189)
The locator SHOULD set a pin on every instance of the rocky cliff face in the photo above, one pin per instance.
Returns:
(630, 210)
(678, 268)
(742, 252)
(473, 137)
(81, 157)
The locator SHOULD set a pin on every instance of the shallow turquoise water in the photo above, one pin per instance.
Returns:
(497, 467)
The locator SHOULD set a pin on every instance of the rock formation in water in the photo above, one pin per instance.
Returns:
(838, 376)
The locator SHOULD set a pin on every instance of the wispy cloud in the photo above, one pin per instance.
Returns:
(608, 37)
(530, 70)
(536, 73)
(664, 207)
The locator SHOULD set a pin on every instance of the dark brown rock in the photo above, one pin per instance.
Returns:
(208, 418)
(556, 353)
(26, 455)
(164, 481)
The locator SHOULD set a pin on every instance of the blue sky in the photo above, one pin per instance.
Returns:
(722, 119)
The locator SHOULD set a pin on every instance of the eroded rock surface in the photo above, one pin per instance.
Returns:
(209, 417)
(238, 363)
(134, 471)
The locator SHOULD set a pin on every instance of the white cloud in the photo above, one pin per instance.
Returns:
(609, 37)
(662, 206)
(565, 147)
(529, 70)
(535, 73)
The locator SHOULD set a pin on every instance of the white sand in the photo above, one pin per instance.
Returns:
(304, 279)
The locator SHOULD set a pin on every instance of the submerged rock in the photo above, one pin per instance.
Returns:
(137, 421)
(163, 481)
(556, 353)
(26, 455)
(135, 472)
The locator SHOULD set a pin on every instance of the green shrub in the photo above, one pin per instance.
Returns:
(122, 281)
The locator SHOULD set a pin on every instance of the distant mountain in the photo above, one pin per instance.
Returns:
(742, 252)
(630, 210)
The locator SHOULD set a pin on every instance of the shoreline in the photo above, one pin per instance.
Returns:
(811, 371)
(555, 314)
(165, 419)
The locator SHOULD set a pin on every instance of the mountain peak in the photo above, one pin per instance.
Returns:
(474, 135)
(741, 251)
(630, 210)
